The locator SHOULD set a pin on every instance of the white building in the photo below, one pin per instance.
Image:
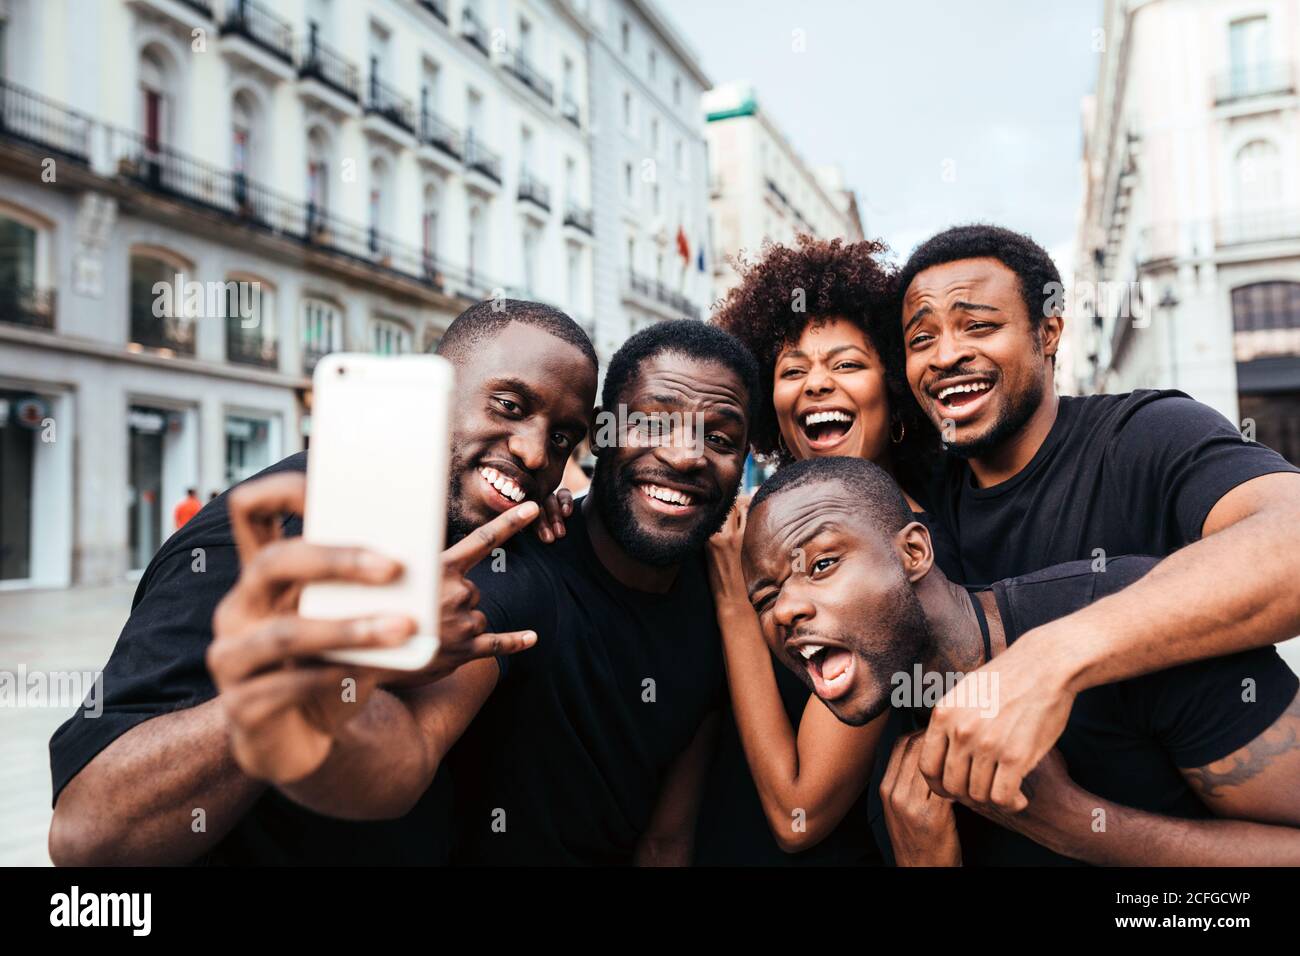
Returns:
(347, 173)
(761, 188)
(1188, 261)
(649, 171)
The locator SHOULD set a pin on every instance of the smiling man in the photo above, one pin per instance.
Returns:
(592, 746)
(1034, 481)
(175, 770)
(1189, 766)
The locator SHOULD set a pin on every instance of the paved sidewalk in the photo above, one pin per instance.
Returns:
(70, 630)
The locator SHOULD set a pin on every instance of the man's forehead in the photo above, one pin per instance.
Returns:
(950, 277)
(788, 515)
(689, 380)
(528, 354)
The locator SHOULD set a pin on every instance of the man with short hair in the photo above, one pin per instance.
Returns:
(590, 748)
(163, 776)
(1191, 765)
(1034, 481)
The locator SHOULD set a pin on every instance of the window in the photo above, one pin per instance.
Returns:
(625, 37)
(631, 254)
(156, 78)
(628, 188)
(170, 329)
(627, 111)
(677, 91)
(389, 337)
(654, 197)
(1266, 305)
(679, 157)
(652, 66)
(654, 135)
(573, 267)
(22, 299)
(532, 240)
(1248, 54)
(1259, 176)
(250, 322)
(429, 228)
(322, 331)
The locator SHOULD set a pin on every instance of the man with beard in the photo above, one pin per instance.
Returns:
(1034, 481)
(593, 745)
(175, 768)
(1192, 765)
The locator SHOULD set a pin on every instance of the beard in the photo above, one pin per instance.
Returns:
(612, 490)
(458, 523)
(1012, 417)
(907, 640)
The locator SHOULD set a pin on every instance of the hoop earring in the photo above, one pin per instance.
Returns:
(902, 430)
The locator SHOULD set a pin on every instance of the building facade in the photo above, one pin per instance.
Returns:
(1187, 271)
(649, 171)
(760, 187)
(199, 198)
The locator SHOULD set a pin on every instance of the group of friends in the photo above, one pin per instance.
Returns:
(965, 621)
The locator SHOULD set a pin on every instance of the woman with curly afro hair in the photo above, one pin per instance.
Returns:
(820, 317)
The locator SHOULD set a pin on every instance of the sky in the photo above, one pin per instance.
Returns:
(938, 111)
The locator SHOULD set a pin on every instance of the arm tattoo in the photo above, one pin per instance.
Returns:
(1259, 753)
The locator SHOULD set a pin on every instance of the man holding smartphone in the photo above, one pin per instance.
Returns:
(590, 748)
(154, 779)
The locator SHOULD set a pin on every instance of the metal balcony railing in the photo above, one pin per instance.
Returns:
(245, 349)
(473, 30)
(578, 217)
(322, 63)
(437, 7)
(175, 333)
(479, 157)
(38, 121)
(27, 305)
(1269, 225)
(260, 26)
(311, 356)
(654, 289)
(534, 190)
(385, 101)
(518, 64)
(1255, 79)
(440, 134)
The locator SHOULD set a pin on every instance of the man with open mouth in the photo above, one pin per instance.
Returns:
(1034, 480)
(1184, 768)
(526, 382)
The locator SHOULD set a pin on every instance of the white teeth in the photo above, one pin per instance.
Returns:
(502, 484)
(670, 495)
(817, 418)
(972, 387)
(809, 650)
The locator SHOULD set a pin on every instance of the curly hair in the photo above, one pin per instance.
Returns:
(838, 279)
(1039, 278)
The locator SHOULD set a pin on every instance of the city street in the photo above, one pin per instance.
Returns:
(75, 630)
(65, 630)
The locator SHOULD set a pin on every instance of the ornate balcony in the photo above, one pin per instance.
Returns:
(532, 189)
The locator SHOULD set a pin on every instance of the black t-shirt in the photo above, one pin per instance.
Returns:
(1125, 741)
(1127, 474)
(565, 762)
(158, 666)
(733, 829)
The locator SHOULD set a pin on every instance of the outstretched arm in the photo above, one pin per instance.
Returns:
(807, 781)
(1255, 793)
(1230, 591)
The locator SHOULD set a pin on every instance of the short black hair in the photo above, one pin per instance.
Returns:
(487, 319)
(865, 482)
(1039, 278)
(689, 337)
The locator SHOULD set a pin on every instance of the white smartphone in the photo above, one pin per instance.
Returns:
(377, 478)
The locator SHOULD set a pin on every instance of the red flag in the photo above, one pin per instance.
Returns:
(683, 247)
